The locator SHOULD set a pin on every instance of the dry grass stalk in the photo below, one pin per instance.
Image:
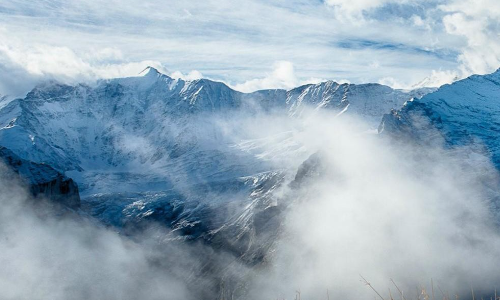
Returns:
(369, 285)
(424, 293)
(297, 295)
(432, 287)
(399, 290)
(445, 297)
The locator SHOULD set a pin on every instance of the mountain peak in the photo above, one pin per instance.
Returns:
(150, 71)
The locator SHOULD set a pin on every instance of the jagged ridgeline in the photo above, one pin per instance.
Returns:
(466, 112)
(152, 149)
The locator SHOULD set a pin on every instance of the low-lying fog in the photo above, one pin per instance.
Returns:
(379, 209)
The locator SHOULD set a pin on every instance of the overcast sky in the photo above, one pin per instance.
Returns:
(251, 44)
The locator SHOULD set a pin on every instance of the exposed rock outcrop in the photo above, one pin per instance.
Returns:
(43, 180)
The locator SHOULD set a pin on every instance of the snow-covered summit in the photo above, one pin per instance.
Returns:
(369, 101)
(155, 132)
(466, 112)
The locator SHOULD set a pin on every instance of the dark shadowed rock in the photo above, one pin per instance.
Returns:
(43, 180)
(312, 168)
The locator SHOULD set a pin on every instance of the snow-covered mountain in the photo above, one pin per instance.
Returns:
(368, 101)
(466, 112)
(153, 132)
(154, 148)
(4, 100)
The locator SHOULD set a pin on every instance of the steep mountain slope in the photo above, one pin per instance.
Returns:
(42, 180)
(153, 148)
(4, 100)
(466, 112)
(156, 149)
(153, 132)
(368, 101)
(123, 127)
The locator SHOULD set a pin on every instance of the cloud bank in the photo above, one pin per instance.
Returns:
(241, 43)
(385, 210)
(374, 208)
(50, 254)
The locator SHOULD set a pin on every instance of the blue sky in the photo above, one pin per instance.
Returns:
(249, 44)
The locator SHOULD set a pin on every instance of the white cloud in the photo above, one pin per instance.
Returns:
(47, 254)
(283, 76)
(375, 65)
(192, 75)
(234, 41)
(384, 211)
(417, 20)
(32, 63)
(106, 54)
(392, 82)
(437, 78)
(479, 23)
(353, 9)
(64, 63)
(43, 60)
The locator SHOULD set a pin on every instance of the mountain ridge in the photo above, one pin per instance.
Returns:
(152, 120)
(464, 113)
(157, 150)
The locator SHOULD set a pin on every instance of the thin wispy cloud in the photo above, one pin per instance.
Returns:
(241, 42)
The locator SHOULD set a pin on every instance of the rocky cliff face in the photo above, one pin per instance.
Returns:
(43, 180)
